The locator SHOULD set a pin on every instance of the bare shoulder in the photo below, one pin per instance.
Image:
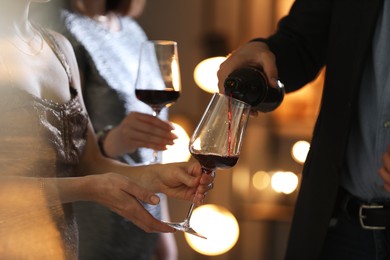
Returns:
(63, 42)
(67, 49)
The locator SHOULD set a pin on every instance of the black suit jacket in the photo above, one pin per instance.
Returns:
(336, 34)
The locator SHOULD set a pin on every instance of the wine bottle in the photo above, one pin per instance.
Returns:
(250, 84)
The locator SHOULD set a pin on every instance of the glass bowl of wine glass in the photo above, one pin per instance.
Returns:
(158, 82)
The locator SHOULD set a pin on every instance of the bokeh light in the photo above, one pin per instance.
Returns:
(178, 152)
(299, 151)
(284, 182)
(217, 224)
(261, 180)
(205, 74)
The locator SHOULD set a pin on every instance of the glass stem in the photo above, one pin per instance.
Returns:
(193, 204)
(155, 156)
(156, 113)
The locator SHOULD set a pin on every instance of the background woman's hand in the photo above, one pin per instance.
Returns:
(139, 130)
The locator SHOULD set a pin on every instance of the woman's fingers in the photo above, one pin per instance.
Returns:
(123, 196)
(139, 130)
(143, 130)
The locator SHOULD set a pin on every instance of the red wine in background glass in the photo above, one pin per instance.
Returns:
(157, 98)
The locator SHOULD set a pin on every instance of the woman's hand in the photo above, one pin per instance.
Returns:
(384, 171)
(177, 180)
(123, 196)
(138, 130)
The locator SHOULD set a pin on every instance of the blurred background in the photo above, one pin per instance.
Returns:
(247, 214)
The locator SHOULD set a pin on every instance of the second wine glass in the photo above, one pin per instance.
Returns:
(217, 140)
(158, 82)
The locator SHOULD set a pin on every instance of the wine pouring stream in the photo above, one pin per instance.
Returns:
(216, 141)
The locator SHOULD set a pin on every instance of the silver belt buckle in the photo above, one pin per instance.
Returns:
(362, 217)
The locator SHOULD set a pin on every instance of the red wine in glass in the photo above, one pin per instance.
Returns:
(214, 161)
(157, 99)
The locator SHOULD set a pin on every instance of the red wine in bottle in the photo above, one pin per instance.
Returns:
(161, 98)
(214, 161)
(250, 85)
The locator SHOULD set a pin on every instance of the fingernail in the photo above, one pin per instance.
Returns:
(155, 199)
(171, 125)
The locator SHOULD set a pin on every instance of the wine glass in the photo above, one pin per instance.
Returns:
(158, 81)
(217, 141)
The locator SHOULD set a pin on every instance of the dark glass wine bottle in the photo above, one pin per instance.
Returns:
(250, 85)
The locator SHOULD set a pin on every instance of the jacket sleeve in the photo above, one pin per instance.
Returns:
(300, 42)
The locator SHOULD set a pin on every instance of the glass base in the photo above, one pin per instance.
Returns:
(184, 226)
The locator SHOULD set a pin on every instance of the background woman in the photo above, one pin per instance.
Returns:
(107, 42)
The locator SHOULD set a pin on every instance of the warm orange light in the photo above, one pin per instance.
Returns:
(205, 74)
(284, 182)
(217, 224)
(299, 151)
(178, 152)
(261, 180)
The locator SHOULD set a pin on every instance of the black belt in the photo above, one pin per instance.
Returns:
(374, 215)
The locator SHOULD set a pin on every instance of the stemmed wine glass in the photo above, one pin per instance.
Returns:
(217, 141)
(158, 81)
